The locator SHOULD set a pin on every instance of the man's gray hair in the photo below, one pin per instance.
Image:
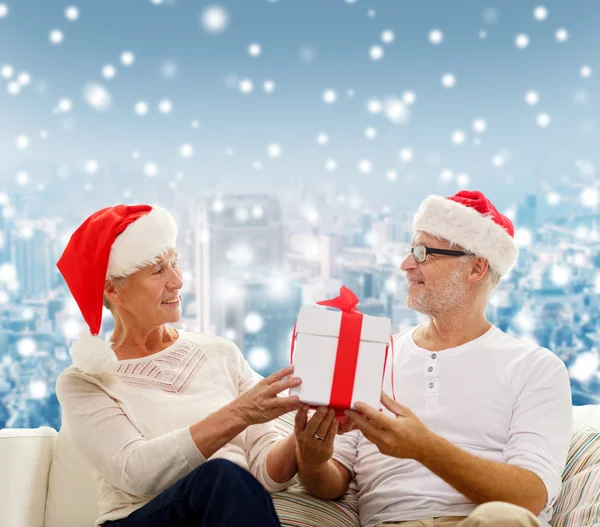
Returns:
(493, 277)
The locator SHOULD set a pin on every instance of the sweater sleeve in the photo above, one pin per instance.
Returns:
(261, 438)
(540, 429)
(116, 449)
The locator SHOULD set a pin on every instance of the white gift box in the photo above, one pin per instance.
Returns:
(317, 332)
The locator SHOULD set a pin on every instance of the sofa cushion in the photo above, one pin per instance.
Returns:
(72, 490)
(578, 503)
(296, 508)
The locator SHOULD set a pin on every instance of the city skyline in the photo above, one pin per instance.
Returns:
(293, 142)
(550, 298)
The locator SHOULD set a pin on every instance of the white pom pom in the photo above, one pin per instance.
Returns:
(93, 355)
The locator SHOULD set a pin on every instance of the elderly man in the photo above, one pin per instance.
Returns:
(481, 429)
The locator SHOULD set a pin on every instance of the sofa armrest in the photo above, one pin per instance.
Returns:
(25, 459)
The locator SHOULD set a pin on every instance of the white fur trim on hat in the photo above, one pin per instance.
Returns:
(466, 227)
(142, 242)
(93, 355)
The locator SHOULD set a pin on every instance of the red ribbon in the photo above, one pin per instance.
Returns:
(346, 359)
(347, 349)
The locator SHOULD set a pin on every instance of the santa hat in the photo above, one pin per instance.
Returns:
(113, 242)
(470, 220)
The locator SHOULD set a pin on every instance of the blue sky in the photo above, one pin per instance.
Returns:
(307, 47)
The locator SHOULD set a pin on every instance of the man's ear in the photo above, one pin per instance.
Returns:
(479, 268)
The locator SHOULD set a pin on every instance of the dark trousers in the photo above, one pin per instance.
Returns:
(217, 493)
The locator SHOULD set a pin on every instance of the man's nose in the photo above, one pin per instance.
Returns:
(408, 263)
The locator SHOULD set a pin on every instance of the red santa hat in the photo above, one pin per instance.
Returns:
(113, 242)
(470, 220)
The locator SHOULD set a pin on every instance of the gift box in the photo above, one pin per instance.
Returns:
(339, 355)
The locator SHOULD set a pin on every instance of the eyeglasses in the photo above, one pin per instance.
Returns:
(420, 252)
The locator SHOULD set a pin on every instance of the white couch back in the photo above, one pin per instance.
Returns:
(25, 459)
(72, 492)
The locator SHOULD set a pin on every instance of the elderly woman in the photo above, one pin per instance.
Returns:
(175, 425)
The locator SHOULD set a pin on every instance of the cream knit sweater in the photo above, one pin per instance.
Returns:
(134, 426)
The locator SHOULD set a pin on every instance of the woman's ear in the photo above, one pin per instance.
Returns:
(111, 291)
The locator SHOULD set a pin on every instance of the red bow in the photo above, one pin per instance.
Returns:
(346, 301)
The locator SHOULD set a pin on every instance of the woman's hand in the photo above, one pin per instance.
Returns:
(261, 403)
(315, 438)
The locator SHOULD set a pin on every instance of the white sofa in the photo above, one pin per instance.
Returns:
(45, 482)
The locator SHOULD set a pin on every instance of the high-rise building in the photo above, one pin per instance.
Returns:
(5, 236)
(271, 309)
(527, 214)
(237, 237)
(330, 250)
(360, 281)
(33, 254)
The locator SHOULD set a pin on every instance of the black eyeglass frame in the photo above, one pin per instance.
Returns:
(430, 250)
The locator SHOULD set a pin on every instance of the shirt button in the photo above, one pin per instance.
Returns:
(431, 385)
(430, 368)
(434, 356)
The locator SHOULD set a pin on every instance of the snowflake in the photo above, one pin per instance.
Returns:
(479, 125)
(109, 71)
(246, 86)
(274, 150)
(458, 137)
(214, 19)
(56, 36)
(522, 41)
(562, 35)
(543, 120)
(254, 49)
(387, 36)
(151, 169)
(97, 96)
(22, 142)
(448, 80)
(329, 96)
(436, 36)
(269, 86)
(322, 139)
(532, 97)
(186, 150)
(141, 108)
(409, 97)
(405, 155)
(165, 106)
(376, 52)
(127, 58)
(540, 13)
(71, 13)
(7, 71)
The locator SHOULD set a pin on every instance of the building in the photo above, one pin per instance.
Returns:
(237, 236)
(271, 309)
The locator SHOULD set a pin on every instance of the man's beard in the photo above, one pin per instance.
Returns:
(440, 297)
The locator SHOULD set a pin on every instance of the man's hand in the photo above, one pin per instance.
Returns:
(345, 425)
(404, 436)
(315, 438)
